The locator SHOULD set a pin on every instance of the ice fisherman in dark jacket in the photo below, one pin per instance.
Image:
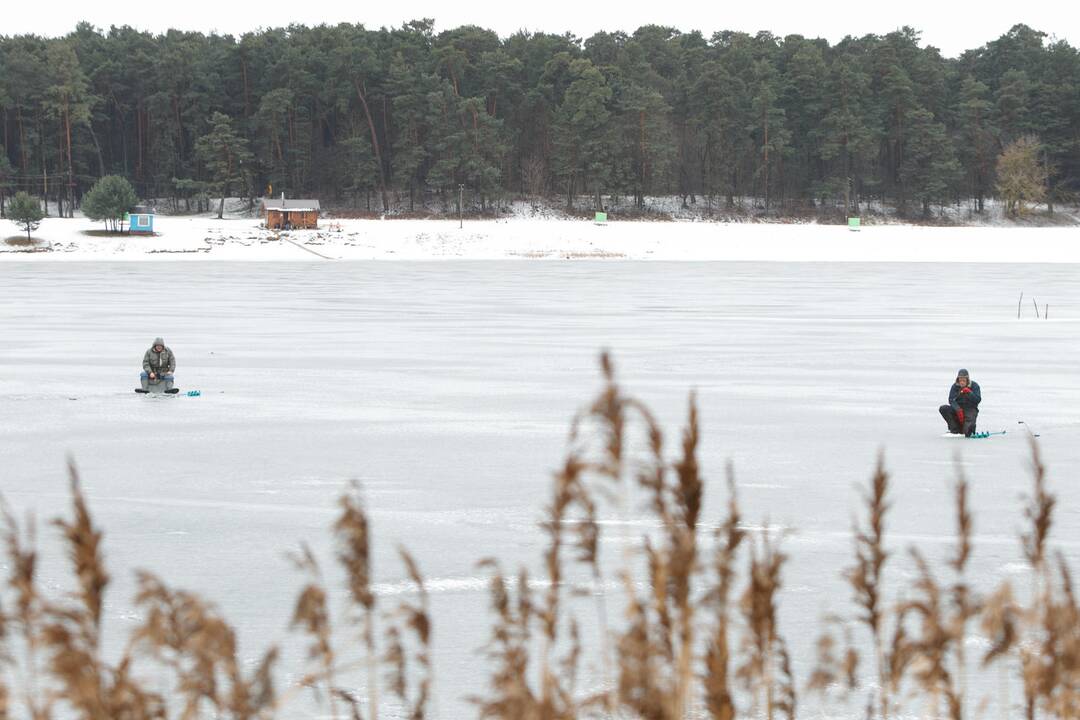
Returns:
(963, 409)
(158, 364)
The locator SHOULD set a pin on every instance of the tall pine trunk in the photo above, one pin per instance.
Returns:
(374, 145)
(71, 165)
(766, 165)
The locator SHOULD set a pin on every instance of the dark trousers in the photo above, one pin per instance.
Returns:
(968, 426)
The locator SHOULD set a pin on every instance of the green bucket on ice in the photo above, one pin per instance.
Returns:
(854, 223)
(601, 217)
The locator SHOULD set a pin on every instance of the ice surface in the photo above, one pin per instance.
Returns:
(446, 389)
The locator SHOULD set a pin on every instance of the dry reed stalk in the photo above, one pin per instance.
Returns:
(5, 655)
(84, 542)
(610, 409)
(1039, 512)
(418, 620)
(719, 702)
(570, 664)
(612, 417)
(1062, 649)
(930, 649)
(587, 543)
(639, 664)
(999, 622)
(943, 615)
(397, 660)
(965, 604)
(656, 652)
(351, 701)
(312, 615)
(29, 610)
(826, 667)
(898, 656)
(508, 650)
(763, 646)
(355, 557)
(1050, 653)
(128, 700)
(1034, 649)
(187, 635)
(72, 634)
(866, 579)
(5, 659)
(787, 700)
(608, 413)
(831, 670)
(1044, 634)
(549, 612)
(687, 491)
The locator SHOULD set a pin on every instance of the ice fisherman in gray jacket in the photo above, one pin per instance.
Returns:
(159, 364)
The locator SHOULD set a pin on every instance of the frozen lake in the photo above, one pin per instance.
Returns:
(447, 388)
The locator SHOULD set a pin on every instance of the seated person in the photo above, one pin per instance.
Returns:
(158, 364)
(963, 409)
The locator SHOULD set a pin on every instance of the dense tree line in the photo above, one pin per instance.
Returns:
(391, 118)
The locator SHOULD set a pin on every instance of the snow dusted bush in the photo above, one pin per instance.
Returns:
(109, 200)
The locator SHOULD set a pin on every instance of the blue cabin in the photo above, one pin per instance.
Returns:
(141, 222)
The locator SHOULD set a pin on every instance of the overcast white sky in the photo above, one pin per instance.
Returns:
(950, 26)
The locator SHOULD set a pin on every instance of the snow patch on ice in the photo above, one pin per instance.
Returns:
(533, 237)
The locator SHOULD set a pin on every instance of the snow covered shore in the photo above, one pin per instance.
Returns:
(203, 238)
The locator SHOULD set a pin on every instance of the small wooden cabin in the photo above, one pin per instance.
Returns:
(291, 214)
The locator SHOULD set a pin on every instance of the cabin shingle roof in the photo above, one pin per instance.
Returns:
(272, 204)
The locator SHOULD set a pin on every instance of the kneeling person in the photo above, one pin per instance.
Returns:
(158, 364)
(963, 409)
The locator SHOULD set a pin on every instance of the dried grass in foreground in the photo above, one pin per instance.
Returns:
(697, 635)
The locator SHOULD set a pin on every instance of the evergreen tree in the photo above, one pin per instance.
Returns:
(1013, 100)
(581, 134)
(274, 144)
(645, 143)
(413, 90)
(713, 119)
(769, 129)
(109, 200)
(358, 164)
(929, 169)
(23, 79)
(1055, 110)
(6, 183)
(805, 82)
(737, 52)
(223, 152)
(25, 211)
(898, 101)
(847, 136)
(977, 144)
(482, 150)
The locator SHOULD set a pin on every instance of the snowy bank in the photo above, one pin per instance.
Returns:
(203, 238)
